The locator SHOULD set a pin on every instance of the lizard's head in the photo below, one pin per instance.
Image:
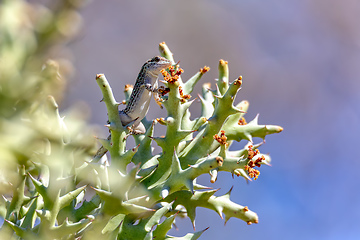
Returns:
(157, 63)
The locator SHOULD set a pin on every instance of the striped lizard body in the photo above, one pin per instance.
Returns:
(138, 104)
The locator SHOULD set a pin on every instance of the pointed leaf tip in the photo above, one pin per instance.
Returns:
(205, 229)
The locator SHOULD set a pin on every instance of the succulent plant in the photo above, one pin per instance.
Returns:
(164, 184)
(53, 188)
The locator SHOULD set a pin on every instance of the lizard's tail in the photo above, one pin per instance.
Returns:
(101, 152)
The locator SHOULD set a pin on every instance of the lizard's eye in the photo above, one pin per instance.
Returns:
(156, 59)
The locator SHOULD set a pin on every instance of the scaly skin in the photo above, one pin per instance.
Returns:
(138, 105)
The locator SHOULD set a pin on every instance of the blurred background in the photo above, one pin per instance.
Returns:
(300, 66)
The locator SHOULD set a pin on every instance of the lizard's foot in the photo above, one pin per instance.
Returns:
(163, 90)
(133, 131)
(160, 91)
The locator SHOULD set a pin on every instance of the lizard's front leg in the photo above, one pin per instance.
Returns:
(157, 92)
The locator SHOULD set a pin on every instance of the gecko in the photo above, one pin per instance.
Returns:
(138, 105)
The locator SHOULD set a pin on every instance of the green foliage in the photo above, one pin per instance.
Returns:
(52, 187)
